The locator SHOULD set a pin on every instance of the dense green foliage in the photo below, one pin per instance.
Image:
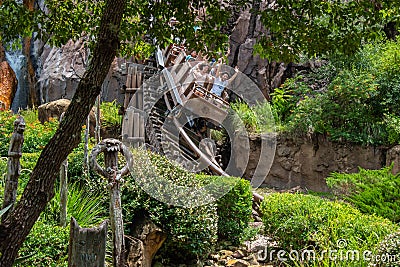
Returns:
(109, 114)
(234, 208)
(371, 191)
(308, 222)
(192, 232)
(259, 118)
(355, 100)
(88, 208)
(46, 245)
(36, 135)
(143, 23)
(315, 28)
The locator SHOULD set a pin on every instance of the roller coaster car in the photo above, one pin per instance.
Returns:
(172, 54)
(205, 104)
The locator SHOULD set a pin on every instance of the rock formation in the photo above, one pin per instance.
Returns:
(55, 108)
(247, 29)
(306, 162)
(62, 68)
(8, 85)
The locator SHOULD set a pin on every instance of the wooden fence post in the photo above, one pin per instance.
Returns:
(87, 246)
(110, 148)
(13, 165)
(63, 188)
(86, 150)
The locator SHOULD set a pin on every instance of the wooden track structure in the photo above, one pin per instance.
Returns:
(174, 73)
(181, 85)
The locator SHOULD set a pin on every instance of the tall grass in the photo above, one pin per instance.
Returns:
(87, 208)
(256, 119)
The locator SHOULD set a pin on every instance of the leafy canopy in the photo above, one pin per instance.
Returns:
(145, 23)
(322, 27)
(294, 27)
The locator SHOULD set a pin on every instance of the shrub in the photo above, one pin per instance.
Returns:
(109, 114)
(389, 248)
(344, 112)
(371, 191)
(91, 181)
(46, 245)
(255, 119)
(392, 123)
(192, 232)
(86, 207)
(303, 221)
(234, 209)
(6, 128)
(302, 86)
(36, 135)
(359, 103)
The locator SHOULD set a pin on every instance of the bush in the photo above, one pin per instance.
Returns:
(392, 123)
(344, 112)
(6, 128)
(357, 100)
(371, 191)
(234, 209)
(109, 114)
(46, 245)
(36, 135)
(192, 232)
(91, 181)
(302, 222)
(256, 119)
(86, 207)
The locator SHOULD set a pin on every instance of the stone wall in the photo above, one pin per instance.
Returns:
(307, 162)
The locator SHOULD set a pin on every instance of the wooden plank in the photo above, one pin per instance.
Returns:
(130, 123)
(136, 124)
(135, 139)
(139, 79)
(139, 94)
(177, 61)
(171, 85)
(141, 129)
(128, 85)
(183, 72)
(125, 125)
(187, 85)
(134, 83)
(167, 102)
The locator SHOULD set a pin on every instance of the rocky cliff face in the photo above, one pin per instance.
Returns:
(58, 70)
(62, 68)
(8, 85)
(307, 162)
(246, 30)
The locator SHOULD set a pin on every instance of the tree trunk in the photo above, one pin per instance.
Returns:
(40, 188)
(33, 99)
